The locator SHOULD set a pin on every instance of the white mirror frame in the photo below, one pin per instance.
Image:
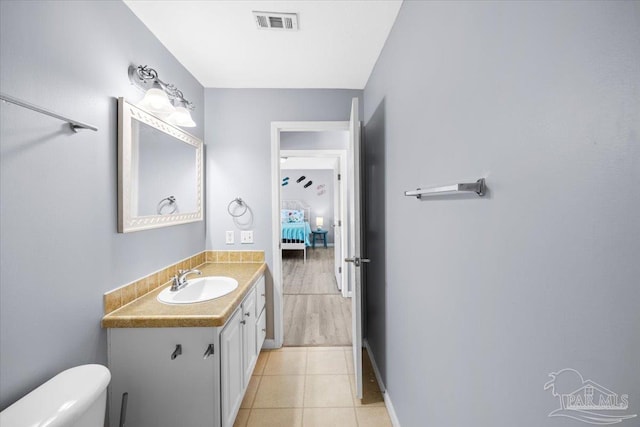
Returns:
(126, 222)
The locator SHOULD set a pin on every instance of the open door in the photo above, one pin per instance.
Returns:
(337, 226)
(355, 236)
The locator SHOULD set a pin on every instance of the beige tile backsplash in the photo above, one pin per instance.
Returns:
(123, 295)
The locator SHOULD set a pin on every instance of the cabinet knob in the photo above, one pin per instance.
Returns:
(248, 314)
(177, 352)
(264, 330)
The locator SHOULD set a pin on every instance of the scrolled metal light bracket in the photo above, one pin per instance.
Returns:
(144, 78)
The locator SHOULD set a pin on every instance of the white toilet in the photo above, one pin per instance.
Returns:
(76, 397)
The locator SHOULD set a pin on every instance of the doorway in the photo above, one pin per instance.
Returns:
(317, 311)
(352, 257)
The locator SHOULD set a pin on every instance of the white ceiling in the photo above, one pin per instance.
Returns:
(336, 46)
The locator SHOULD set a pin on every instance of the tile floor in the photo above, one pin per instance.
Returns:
(307, 387)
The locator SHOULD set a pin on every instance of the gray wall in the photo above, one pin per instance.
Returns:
(327, 140)
(238, 135)
(321, 205)
(59, 250)
(483, 297)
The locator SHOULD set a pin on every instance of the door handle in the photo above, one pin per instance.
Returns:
(357, 261)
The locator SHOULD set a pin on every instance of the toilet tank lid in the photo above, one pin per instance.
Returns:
(60, 400)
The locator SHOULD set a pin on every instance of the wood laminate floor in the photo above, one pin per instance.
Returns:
(315, 312)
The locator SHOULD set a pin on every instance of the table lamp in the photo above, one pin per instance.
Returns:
(319, 222)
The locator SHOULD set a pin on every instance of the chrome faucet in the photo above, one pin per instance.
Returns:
(180, 279)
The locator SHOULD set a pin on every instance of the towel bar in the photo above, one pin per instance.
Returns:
(477, 187)
(74, 124)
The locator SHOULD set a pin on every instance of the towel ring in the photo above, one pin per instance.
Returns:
(239, 202)
(166, 202)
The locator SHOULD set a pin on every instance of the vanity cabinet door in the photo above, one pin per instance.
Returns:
(249, 335)
(261, 330)
(166, 388)
(232, 372)
(261, 296)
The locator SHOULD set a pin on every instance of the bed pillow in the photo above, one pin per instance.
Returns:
(292, 215)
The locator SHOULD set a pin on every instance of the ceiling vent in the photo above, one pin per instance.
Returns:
(276, 21)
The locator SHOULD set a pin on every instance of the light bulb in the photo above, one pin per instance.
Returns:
(181, 117)
(157, 102)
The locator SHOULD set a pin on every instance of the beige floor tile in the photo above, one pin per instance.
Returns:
(326, 362)
(280, 391)
(285, 349)
(241, 419)
(310, 349)
(373, 417)
(328, 391)
(357, 402)
(261, 362)
(286, 363)
(275, 418)
(250, 394)
(323, 417)
(348, 354)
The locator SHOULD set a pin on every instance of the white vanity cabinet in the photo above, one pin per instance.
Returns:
(241, 343)
(200, 385)
(232, 372)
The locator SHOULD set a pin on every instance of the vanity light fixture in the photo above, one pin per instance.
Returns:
(181, 117)
(162, 99)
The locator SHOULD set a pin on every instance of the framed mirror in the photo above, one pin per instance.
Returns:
(160, 177)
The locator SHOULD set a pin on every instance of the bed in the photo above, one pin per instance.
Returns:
(295, 228)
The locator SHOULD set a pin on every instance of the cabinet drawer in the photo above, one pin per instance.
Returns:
(261, 330)
(261, 296)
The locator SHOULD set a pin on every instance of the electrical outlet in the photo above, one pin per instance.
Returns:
(246, 236)
(230, 237)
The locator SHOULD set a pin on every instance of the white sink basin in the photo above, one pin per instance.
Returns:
(199, 290)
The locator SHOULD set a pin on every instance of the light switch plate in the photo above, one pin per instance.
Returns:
(230, 237)
(246, 236)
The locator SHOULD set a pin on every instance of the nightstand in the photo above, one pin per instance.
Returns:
(319, 233)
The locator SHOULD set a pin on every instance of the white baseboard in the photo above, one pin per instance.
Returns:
(385, 393)
(269, 344)
(375, 366)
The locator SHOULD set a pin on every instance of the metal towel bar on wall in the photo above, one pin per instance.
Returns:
(477, 187)
(74, 124)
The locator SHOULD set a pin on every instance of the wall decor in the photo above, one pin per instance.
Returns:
(308, 184)
(302, 178)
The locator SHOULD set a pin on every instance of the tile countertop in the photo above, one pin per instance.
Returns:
(148, 312)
